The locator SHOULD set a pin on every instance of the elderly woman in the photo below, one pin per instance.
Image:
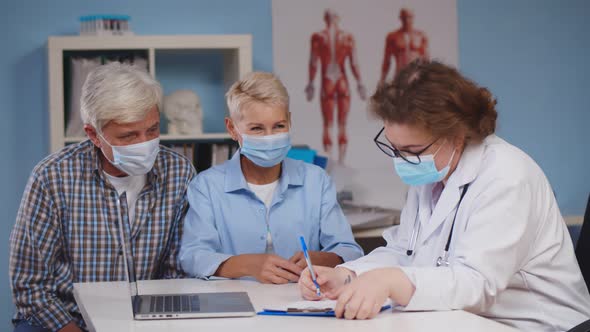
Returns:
(246, 215)
(481, 230)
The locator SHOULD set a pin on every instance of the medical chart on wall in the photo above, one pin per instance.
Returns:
(331, 55)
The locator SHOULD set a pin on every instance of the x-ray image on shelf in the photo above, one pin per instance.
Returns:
(79, 68)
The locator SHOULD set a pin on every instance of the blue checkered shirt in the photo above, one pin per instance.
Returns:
(67, 231)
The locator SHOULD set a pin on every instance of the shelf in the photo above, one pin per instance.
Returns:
(205, 64)
(154, 42)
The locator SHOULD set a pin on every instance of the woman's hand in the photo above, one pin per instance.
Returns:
(70, 327)
(364, 296)
(273, 269)
(321, 258)
(266, 268)
(331, 281)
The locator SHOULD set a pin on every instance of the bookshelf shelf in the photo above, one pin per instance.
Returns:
(206, 63)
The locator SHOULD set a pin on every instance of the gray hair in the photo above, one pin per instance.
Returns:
(118, 92)
(256, 87)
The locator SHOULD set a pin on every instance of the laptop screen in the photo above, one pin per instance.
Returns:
(128, 261)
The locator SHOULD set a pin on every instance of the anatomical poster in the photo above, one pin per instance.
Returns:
(331, 55)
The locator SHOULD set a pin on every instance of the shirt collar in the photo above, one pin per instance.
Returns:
(291, 175)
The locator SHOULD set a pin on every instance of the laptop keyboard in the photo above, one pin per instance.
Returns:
(175, 303)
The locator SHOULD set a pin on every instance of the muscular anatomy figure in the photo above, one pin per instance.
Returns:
(331, 48)
(405, 44)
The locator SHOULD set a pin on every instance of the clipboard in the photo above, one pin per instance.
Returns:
(328, 313)
(307, 312)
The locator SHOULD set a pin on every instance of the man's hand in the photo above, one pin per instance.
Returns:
(320, 258)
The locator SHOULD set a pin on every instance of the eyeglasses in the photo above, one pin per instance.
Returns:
(395, 153)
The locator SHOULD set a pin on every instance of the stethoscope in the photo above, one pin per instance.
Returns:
(442, 260)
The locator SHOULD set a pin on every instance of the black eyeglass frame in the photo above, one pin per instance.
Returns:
(392, 152)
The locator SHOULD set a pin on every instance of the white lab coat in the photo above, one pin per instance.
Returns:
(511, 256)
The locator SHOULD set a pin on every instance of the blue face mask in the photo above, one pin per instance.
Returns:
(266, 151)
(423, 173)
(135, 159)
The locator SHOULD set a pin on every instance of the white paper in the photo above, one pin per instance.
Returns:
(310, 305)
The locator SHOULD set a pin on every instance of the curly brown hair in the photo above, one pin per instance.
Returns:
(436, 97)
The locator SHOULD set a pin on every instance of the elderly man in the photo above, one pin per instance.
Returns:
(67, 230)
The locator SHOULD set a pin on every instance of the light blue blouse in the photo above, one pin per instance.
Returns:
(226, 218)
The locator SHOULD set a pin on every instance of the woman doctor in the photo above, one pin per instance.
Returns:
(481, 230)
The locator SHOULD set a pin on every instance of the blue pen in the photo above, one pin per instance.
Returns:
(309, 266)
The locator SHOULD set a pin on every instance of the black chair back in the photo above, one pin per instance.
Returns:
(582, 327)
(583, 256)
(583, 246)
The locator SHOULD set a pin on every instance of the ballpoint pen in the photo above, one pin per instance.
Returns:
(309, 266)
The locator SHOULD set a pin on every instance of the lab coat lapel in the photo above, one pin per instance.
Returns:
(465, 173)
(446, 204)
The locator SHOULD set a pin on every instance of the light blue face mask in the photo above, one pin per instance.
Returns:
(266, 151)
(423, 173)
(134, 159)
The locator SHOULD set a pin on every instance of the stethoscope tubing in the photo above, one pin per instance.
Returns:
(444, 258)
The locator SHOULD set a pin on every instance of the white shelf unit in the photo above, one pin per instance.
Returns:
(235, 49)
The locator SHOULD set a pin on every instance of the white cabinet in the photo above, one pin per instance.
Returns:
(211, 62)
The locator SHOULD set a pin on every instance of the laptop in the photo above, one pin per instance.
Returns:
(178, 306)
(198, 305)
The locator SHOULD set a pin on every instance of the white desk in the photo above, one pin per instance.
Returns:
(106, 307)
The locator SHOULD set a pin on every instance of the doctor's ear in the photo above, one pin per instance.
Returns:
(459, 141)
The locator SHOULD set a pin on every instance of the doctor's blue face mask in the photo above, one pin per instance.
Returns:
(422, 170)
(265, 151)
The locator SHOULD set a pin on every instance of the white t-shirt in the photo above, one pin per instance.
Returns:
(132, 185)
(265, 192)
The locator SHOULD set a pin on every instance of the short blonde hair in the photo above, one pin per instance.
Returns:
(118, 92)
(256, 87)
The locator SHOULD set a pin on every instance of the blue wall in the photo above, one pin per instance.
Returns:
(24, 28)
(532, 54)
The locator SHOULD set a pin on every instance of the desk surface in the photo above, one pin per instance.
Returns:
(106, 307)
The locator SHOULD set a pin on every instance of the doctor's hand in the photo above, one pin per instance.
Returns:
(331, 281)
(273, 269)
(321, 258)
(364, 296)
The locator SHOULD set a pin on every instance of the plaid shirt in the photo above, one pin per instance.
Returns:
(67, 231)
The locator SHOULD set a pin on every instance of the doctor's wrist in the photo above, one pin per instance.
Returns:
(401, 288)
